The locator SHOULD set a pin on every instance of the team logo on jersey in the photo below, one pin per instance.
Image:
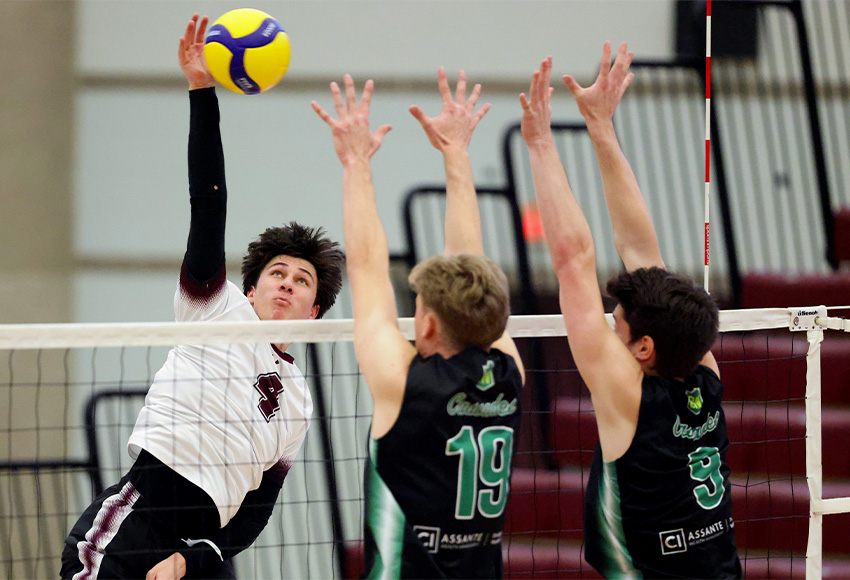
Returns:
(270, 388)
(487, 380)
(694, 400)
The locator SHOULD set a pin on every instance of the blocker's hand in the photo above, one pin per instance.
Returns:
(353, 140)
(599, 101)
(172, 568)
(537, 107)
(453, 127)
(190, 54)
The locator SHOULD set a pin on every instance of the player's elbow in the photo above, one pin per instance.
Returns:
(571, 254)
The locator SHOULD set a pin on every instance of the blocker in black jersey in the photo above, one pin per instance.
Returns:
(659, 501)
(446, 411)
(437, 483)
(664, 509)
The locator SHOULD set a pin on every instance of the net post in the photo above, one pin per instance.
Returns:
(806, 319)
(814, 466)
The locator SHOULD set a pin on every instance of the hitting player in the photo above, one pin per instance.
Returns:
(221, 424)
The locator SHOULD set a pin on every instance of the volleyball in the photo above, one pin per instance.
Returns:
(247, 51)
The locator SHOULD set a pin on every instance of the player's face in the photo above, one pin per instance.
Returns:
(285, 290)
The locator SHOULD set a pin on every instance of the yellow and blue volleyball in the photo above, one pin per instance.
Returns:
(247, 51)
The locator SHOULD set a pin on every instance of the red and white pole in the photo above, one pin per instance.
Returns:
(707, 130)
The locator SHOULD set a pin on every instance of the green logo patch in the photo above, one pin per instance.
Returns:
(487, 377)
(694, 400)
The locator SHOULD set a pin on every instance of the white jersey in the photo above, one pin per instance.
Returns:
(221, 415)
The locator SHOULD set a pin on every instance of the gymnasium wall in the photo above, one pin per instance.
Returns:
(130, 110)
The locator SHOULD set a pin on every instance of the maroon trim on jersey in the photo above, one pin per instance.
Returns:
(201, 294)
(278, 471)
(285, 356)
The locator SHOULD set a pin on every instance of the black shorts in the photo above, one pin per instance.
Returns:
(138, 522)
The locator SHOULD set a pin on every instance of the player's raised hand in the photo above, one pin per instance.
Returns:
(599, 101)
(453, 127)
(190, 54)
(537, 106)
(353, 140)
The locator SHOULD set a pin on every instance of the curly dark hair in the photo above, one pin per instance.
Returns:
(311, 244)
(680, 317)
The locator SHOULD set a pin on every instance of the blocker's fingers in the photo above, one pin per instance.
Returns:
(322, 113)
(350, 94)
(382, 132)
(366, 99)
(571, 83)
(605, 65)
(443, 83)
(481, 112)
(418, 114)
(340, 109)
(460, 91)
(473, 98)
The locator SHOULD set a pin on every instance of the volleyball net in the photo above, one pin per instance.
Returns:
(70, 395)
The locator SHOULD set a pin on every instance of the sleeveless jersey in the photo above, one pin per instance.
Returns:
(221, 415)
(664, 509)
(437, 483)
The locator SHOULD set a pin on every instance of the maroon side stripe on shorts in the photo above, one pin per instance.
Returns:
(112, 514)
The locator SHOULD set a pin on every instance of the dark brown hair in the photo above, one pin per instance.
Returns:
(297, 241)
(679, 316)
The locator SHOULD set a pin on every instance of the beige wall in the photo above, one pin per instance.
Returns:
(36, 106)
(36, 260)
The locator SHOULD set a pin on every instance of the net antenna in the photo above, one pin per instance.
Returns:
(707, 131)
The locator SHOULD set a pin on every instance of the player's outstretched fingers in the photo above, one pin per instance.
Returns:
(418, 114)
(480, 114)
(201, 30)
(381, 133)
(443, 85)
(366, 98)
(473, 98)
(350, 94)
(337, 96)
(605, 65)
(460, 90)
(573, 85)
(322, 113)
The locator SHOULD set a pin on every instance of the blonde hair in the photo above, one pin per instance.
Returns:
(468, 293)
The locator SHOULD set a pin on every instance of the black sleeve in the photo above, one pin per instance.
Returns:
(204, 259)
(244, 528)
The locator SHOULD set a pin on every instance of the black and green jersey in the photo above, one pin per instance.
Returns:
(437, 483)
(664, 509)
